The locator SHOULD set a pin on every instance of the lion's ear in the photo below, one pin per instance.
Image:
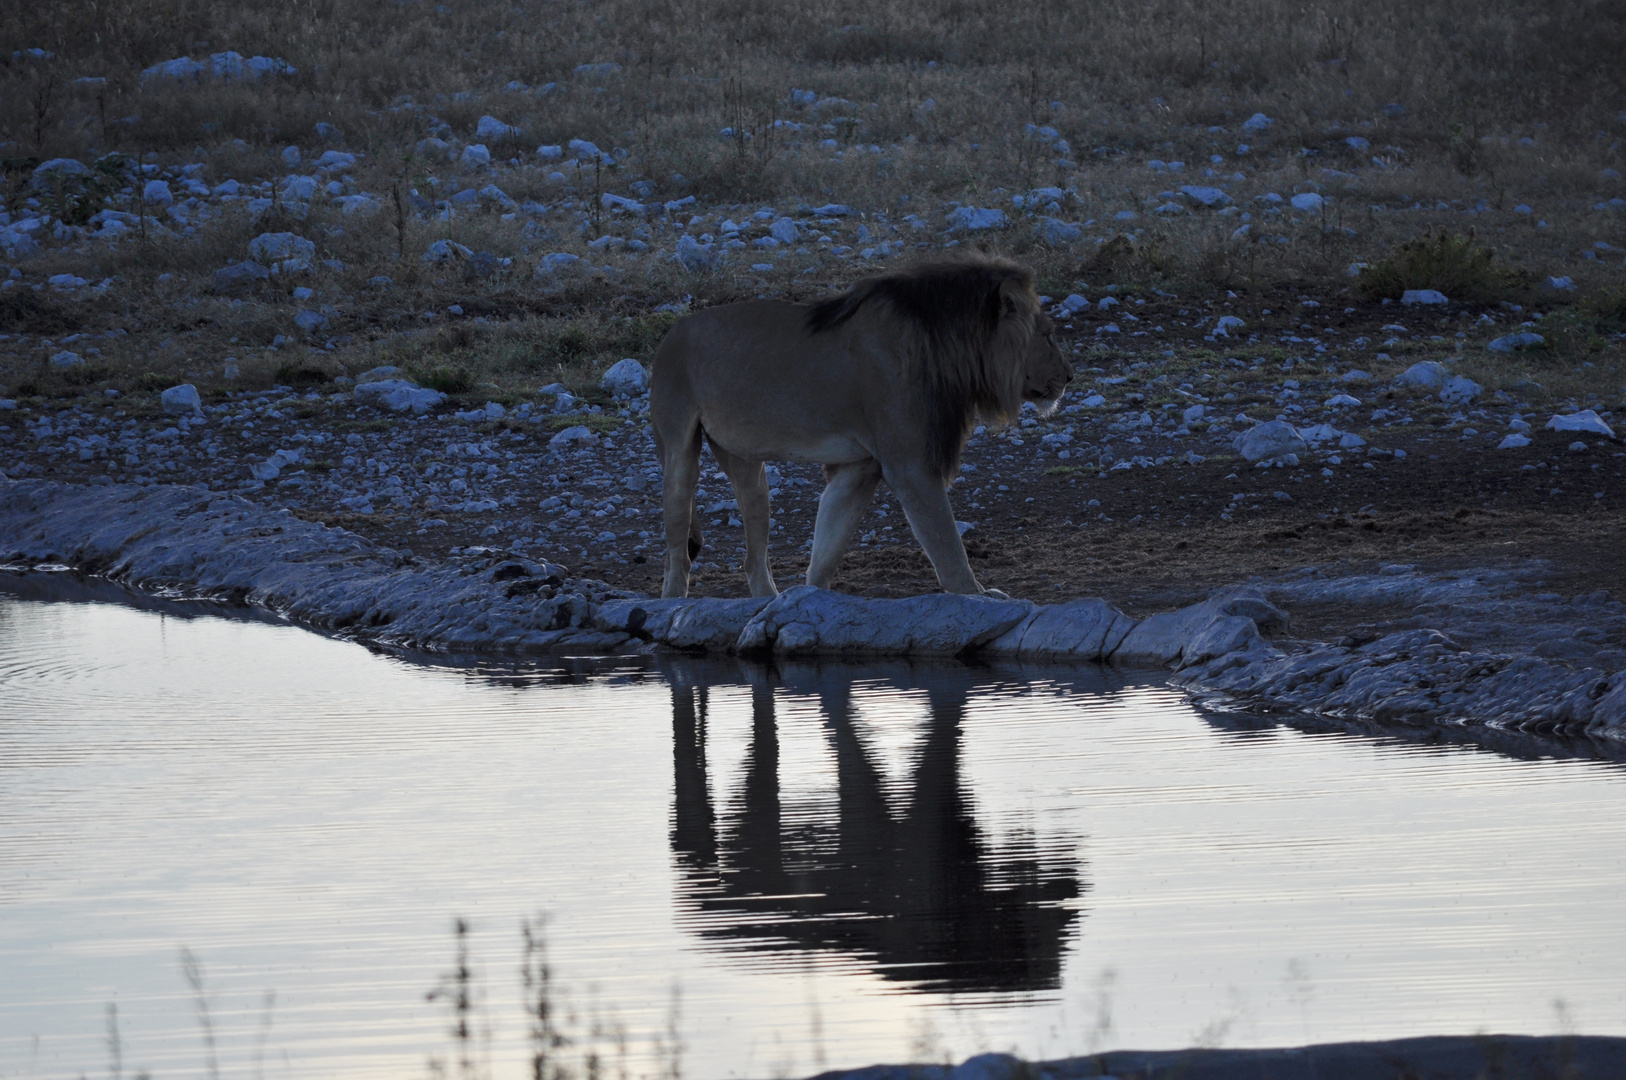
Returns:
(1014, 300)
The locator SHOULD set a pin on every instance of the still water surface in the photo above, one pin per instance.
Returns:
(774, 871)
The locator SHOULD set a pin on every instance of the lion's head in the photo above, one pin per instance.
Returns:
(977, 341)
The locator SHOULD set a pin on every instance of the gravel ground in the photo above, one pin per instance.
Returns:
(1133, 490)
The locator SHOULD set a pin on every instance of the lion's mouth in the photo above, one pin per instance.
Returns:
(1044, 403)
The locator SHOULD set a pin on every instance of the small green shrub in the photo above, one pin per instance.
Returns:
(1608, 306)
(448, 380)
(1451, 264)
(297, 374)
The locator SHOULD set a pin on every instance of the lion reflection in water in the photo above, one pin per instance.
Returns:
(885, 381)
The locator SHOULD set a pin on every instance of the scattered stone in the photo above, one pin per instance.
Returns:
(1308, 201)
(1586, 421)
(56, 171)
(1515, 441)
(550, 265)
(495, 130)
(691, 255)
(67, 359)
(445, 251)
(398, 395)
(1086, 630)
(239, 277)
(1515, 342)
(976, 219)
(625, 378)
(573, 436)
(1058, 233)
(1460, 390)
(1273, 440)
(1226, 323)
(1209, 197)
(182, 399)
(309, 321)
(475, 156)
(287, 253)
(1226, 623)
(1423, 296)
(157, 193)
(1426, 375)
(1256, 123)
(806, 619)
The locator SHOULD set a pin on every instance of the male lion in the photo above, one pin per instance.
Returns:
(884, 381)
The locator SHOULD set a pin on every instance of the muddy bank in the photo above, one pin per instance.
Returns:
(1476, 649)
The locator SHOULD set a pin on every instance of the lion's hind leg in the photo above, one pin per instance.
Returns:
(750, 482)
(848, 490)
(680, 476)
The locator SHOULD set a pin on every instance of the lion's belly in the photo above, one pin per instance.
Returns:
(773, 442)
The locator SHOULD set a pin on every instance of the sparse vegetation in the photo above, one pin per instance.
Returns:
(1400, 118)
(1449, 263)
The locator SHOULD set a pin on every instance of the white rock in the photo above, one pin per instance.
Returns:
(283, 252)
(1423, 296)
(1226, 323)
(1350, 441)
(157, 193)
(1269, 441)
(1427, 375)
(1514, 342)
(1087, 629)
(1210, 197)
(1342, 401)
(573, 436)
(549, 265)
(1200, 632)
(1308, 201)
(182, 399)
(445, 251)
(976, 219)
(691, 256)
(475, 156)
(1514, 441)
(805, 619)
(1192, 413)
(398, 395)
(1460, 390)
(67, 359)
(1058, 233)
(1586, 421)
(625, 378)
(495, 130)
(784, 230)
(1256, 123)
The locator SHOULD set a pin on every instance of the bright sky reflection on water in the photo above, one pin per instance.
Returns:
(833, 865)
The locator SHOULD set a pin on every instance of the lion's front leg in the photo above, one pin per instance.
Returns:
(848, 490)
(751, 492)
(926, 505)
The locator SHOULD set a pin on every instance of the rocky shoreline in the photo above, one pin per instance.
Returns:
(1233, 647)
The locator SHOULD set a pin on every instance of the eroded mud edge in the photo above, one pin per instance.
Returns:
(1465, 656)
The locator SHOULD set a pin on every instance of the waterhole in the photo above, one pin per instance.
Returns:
(733, 869)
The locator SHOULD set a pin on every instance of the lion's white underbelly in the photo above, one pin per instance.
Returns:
(828, 449)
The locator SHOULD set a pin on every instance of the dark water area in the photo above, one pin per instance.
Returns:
(750, 870)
